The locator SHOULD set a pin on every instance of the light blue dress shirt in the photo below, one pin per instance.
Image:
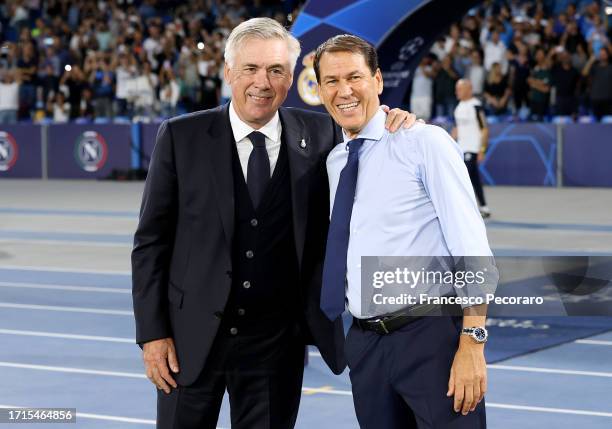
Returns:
(413, 198)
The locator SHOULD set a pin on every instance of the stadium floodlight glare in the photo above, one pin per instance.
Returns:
(200, 45)
(608, 10)
(67, 67)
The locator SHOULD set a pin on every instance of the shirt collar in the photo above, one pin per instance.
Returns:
(374, 129)
(241, 129)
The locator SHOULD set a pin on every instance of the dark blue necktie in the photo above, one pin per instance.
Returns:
(258, 170)
(334, 268)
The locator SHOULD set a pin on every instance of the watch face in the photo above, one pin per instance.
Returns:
(480, 334)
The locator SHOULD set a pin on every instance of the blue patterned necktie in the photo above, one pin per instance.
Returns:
(258, 169)
(334, 268)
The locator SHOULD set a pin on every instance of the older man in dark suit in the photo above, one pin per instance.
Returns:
(229, 248)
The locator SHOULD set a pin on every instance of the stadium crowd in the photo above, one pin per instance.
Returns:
(64, 60)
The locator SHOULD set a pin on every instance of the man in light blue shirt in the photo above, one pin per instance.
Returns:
(398, 195)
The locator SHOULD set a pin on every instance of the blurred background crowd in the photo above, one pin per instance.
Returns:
(85, 60)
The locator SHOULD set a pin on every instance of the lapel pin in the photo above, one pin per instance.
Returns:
(303, 144)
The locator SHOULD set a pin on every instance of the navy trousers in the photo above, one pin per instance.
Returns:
(400, 380)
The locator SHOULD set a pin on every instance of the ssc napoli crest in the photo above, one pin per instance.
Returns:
(8, 151)
(91, 151)
(307, 82)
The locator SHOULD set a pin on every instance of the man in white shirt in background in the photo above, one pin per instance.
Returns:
(421, 97)
(9, 97)
(472, 134)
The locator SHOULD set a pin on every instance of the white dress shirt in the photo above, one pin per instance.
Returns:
(413, 198)
(272, 130)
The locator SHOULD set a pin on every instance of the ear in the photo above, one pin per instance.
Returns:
(379, 81)
(227, 74)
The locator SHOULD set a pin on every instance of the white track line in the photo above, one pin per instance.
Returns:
(67, 336)
(551, 370)
(548, 410)
(595, 342)
(65, 287)
(65, 243)
(63, 270)
(105, 417)
(66, 309)
(72, 370)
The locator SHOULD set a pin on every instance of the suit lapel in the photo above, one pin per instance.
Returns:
(219, 154)
(296, 138)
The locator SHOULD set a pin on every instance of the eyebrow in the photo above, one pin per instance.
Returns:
(352, 73)
(278, 65)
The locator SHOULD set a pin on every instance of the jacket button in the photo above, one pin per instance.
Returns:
(218, 314)
(241, 312)
(249, 254)
(233, 331)
(246, 284)
(254, 222)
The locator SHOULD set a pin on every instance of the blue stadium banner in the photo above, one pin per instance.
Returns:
(401, 30)
(77, 151)
(20, 151)
(148, 135)
(521, 155)
(587, 155)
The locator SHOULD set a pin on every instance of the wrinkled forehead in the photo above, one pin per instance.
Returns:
(262, 52)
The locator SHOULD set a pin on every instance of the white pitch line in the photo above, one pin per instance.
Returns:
(548, 410)
(305, 389)
(66, 309)
(72, 370)
(594, 342)
(63, 270)
(65, 243)
(551, 370)
(65, 287)
(104, 417)
(67, 336)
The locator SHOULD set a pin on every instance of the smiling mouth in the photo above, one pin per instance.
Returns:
(259, 99)
(348, 107)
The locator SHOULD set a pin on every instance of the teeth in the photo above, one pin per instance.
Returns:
(348, 105)
(258, 98)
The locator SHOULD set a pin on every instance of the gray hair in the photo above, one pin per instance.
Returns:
(265, 29)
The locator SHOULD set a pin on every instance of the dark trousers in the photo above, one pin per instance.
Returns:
(262, 372)
(400, 380)
(471, 162)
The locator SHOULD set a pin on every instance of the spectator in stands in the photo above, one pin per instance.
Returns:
(476, 74)
(9, 96)
(142, 91)
(519, 73)
(421, 98)
(495, 52)
(539, 83)
(444, 87)
(210, 88)
(169, 92)
(86, 106)
(496, 91)
(74, 81)
(599, 73)
(102, 80)
(58, 108)
(125, 70)
(27, 64)
(596, 36)
(565, 81)
(572, 38)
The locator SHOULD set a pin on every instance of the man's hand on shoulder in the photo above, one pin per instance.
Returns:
(468, 377)
(398, 117)
(159, 356)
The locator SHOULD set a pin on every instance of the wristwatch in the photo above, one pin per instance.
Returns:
(478, 333)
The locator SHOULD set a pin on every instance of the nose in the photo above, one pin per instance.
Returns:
(344, 89)
(262, 80)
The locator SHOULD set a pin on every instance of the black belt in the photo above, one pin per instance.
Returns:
(386, 324)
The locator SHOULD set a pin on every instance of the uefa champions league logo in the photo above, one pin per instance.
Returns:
(91, 151)
(8, 151)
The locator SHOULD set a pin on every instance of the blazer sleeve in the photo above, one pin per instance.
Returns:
(153, 242)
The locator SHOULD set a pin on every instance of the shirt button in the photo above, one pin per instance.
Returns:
(246, 284)
(241, 312)
(253, 222)
(233, 331)
(249, 254)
